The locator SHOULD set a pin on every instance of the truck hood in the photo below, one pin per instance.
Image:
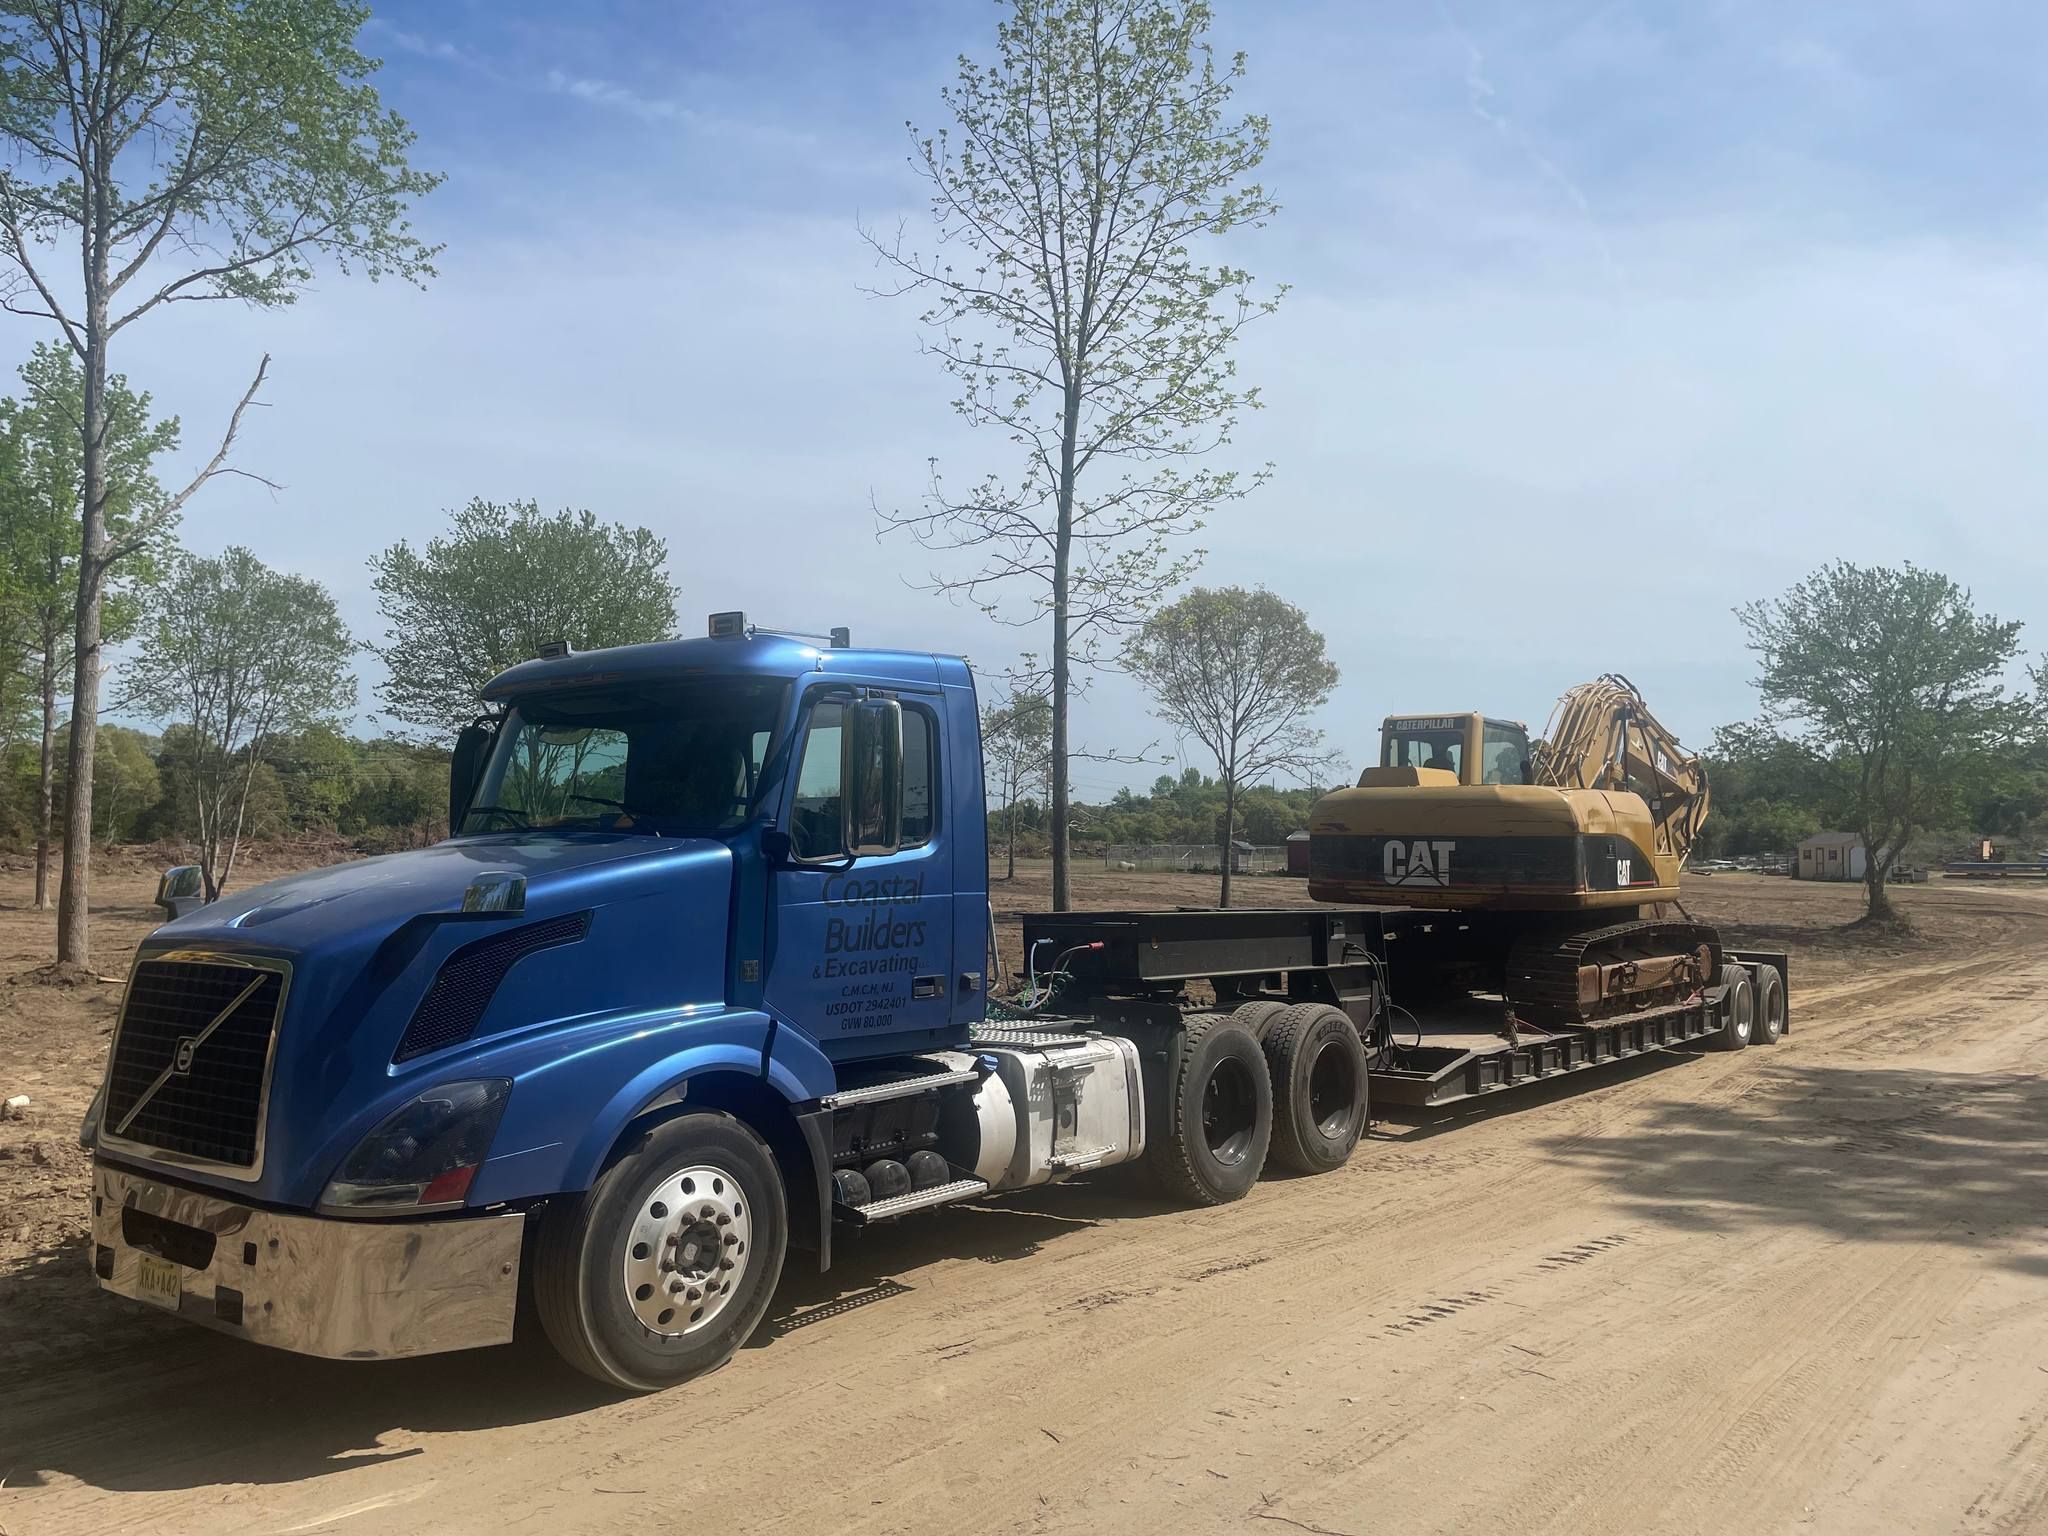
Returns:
(617, 930)
(297, 912)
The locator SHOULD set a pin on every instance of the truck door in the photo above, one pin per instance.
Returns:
(861, 953)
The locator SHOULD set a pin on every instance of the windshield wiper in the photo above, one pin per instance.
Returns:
(499, 810)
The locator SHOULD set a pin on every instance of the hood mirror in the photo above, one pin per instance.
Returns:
(500, 892)
(181, 889)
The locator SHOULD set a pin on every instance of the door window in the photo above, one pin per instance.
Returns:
(815, 831)
(920, 776)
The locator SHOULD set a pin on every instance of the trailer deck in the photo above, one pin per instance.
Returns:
(1425, 1056)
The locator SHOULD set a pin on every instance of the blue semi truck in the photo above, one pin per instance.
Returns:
(707, 973)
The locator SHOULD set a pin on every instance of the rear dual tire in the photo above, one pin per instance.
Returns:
(1284, 1082)
(1770, 1007)
(1317, 1063)
(1218, 1116)
(1740, 1025)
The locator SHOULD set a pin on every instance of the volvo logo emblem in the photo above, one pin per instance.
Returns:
(187, 1048)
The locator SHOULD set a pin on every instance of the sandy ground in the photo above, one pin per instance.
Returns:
(1802, 1289)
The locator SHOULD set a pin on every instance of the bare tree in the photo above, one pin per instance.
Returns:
(181, 152)
(1016, 757)
(1083, 170)
(1241, 672)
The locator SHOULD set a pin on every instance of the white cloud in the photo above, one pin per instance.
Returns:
(610, 93)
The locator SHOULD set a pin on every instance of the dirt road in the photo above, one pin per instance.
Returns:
(1799, 1289)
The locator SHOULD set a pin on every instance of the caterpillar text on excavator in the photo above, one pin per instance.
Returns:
(1562, 856)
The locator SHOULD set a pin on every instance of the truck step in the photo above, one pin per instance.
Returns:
(1077, 1162)
(916, 1200)
(900, 1087)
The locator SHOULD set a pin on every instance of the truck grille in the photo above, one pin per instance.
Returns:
(192, 1058)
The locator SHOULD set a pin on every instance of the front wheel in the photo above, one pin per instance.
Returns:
(668, 1262)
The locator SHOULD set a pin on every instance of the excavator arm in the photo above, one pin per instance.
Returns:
(1603, 736)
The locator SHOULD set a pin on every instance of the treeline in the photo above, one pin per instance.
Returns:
(1770, 793)
(1186, 808)
(377, 795)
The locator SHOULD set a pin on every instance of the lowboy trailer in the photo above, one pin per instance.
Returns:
(1131, 966)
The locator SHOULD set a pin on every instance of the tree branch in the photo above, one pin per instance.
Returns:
(145, 529)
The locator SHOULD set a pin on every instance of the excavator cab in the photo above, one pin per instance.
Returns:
(1472, 748)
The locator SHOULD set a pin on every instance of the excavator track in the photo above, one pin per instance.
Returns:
(1583, 976)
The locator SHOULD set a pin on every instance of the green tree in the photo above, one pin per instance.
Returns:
(1016, 751)
(401, 794)
(125, 781)
(316, 772)
(502, 582)
(164, 151)
(43, 517)
(241, 656)
(1083, 172)
(1894, 681)
(1242, 672)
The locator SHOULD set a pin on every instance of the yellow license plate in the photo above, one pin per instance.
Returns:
(160, 1281)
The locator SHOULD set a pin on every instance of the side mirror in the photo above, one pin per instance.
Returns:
(180, 890)
(472, 744)
(871, 777)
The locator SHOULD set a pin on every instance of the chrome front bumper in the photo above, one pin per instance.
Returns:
(354, 1290)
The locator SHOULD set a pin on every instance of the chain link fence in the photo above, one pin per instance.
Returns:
(1196, 858)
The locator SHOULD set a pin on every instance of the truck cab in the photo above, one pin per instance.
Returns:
(702, 879)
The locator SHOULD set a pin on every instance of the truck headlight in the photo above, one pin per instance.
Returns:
(89, 1127)
(424, 1154)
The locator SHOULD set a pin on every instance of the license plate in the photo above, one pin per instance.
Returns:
(160, 1281)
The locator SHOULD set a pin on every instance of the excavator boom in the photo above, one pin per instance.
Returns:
(1603, 736)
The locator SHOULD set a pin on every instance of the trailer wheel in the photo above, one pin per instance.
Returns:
(663, 1267)
(1770, 1007)
(1218, 1116)
(1258, 1016)
(1734, 1035)
(1319, 1087)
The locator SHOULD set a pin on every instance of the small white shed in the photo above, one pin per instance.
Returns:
(1831, 856)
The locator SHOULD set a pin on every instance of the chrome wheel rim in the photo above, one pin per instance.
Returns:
(687, 1250)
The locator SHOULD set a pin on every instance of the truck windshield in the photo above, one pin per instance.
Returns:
(677, 758)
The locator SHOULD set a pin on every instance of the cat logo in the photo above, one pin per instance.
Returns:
(1422, 862)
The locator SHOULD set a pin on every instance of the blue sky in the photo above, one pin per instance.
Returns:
(1604, 318)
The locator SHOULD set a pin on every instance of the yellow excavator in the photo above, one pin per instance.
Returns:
(1562, 855)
